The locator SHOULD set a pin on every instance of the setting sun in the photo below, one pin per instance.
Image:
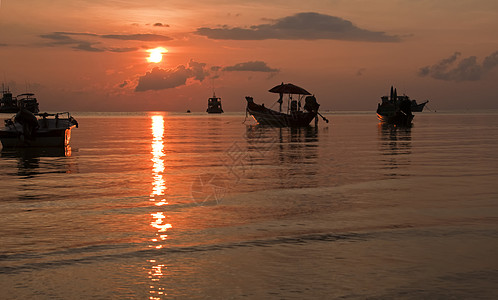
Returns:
(156, 54)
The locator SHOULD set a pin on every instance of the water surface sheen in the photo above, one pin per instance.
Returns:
(160, 206)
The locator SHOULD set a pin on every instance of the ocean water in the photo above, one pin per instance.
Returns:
(177, 206)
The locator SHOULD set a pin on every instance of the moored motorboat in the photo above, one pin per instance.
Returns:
(395, 109)
(26, 129)
(10, 104)
(28, 101)
(295, 116)
(214, 105)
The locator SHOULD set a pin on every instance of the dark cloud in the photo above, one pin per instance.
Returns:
(75, 33)
(125, 83)
(440, 67)
(86, 46)
(62, 38)
(197, 70)
(120, 50)
(468, 69)
(301, 26)
(160, 25)
(59, 38)
(491, 61)
(67, 38)
(160, 79)
(147, 37)
(3, 45)
(215, 69)
(253, 66)
(360, 72)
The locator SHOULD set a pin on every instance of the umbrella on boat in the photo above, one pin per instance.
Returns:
(288, 88)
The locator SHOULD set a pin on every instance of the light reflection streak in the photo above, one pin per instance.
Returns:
(158, 197)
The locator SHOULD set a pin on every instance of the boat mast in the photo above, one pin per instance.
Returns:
(396, 99)
(212, 86)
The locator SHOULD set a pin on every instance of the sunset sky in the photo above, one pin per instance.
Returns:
(92, 55)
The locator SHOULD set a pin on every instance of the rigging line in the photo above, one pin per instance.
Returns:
(274, 104)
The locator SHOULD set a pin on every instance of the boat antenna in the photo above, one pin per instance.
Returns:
(212, 86)
(4, 81)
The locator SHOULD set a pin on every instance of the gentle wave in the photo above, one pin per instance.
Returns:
(147, 253)
(391, 232)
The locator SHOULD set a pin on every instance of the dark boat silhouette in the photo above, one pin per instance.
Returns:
(10, 104)
(395, 109)
(26, 129)
(214, 105)
(295, 116)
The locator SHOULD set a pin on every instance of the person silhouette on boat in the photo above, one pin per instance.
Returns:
(280, 101)
(28, 121)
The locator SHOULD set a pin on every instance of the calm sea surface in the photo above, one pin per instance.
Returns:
(162, 206)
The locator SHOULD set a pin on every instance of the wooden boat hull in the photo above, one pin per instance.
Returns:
(273, 118)
(398, 118)
(397, 112)
(214, 111)
(8, 109)
(295, 116)
(418, 107)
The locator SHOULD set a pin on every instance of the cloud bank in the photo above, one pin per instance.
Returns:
(145, 37)
(301, 26)
(160, 79)
(468, 69)
(67, 38)
(252, 66)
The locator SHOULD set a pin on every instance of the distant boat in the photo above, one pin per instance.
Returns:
(188, 111)
(10, 104)
(294, 117)
(395, 109)
(214, 105)
(26, 129)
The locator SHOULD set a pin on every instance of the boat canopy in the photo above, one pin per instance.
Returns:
(288, 88)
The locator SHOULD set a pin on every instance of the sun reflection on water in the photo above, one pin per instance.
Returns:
(158, 197)
(158, 184)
